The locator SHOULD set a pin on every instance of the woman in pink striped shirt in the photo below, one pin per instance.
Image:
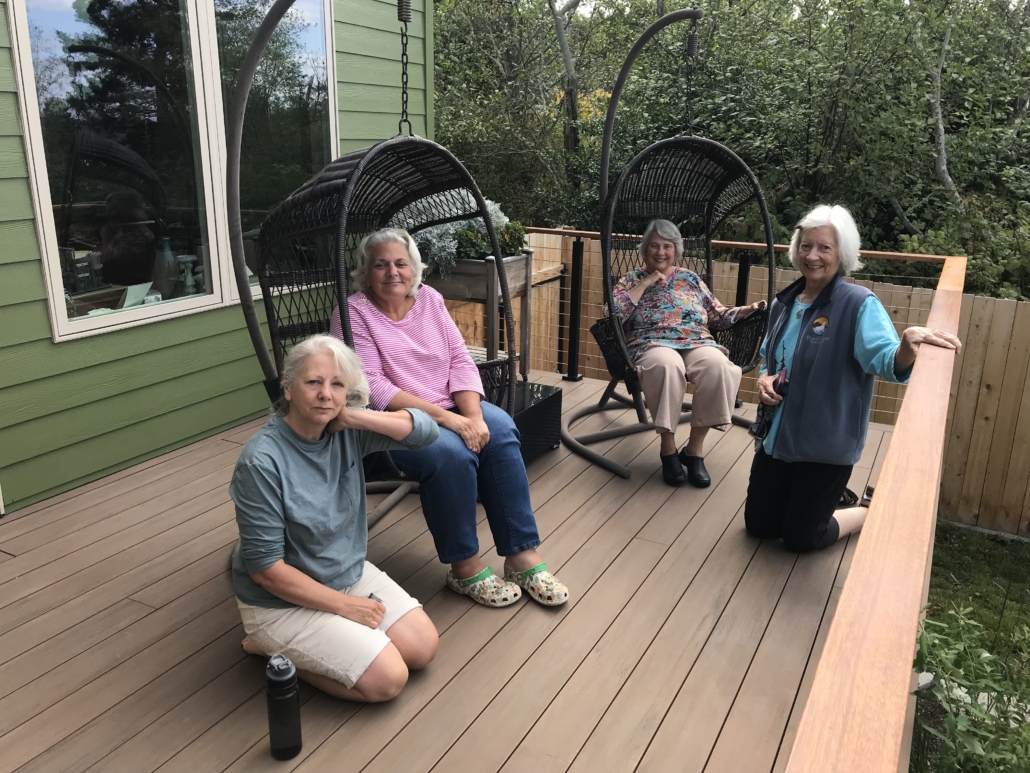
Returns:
(415, 357)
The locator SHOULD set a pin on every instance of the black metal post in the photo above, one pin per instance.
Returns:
(576, 297)
(563, 321)
(743, 275)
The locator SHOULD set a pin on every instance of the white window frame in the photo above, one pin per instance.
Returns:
(210, 140)
(228, 275)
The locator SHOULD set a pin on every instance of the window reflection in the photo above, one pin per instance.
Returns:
(114, 86)
(286, 137)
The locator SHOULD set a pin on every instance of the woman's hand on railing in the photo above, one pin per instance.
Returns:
(912, 337)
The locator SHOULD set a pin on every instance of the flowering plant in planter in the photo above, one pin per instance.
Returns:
(441, 246)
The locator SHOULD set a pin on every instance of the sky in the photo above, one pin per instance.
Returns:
(53, 16)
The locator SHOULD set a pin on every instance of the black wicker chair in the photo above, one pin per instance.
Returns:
(697, 184)
(405, 182)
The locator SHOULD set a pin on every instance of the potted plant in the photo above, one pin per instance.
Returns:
(456, 257)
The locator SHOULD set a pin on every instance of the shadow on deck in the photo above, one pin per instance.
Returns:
(686, 645)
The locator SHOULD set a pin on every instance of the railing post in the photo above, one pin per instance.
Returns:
(743, 276)
(576, 297)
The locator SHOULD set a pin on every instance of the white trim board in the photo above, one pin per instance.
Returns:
(210, 145)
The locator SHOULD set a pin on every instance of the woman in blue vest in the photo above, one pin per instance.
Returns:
(827, 341)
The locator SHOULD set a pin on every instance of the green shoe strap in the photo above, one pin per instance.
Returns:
(476, 577)
(525, 574)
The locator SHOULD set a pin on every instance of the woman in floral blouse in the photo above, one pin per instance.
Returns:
(667, 314)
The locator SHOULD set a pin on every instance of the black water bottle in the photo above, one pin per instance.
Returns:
(283, 708)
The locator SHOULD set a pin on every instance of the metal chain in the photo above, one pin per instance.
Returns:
(404, 83)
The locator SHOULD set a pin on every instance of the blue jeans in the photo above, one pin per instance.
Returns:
(450, 475)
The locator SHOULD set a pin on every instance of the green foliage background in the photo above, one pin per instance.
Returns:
(827, 100)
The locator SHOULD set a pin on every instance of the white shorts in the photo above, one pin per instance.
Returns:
(327, 644)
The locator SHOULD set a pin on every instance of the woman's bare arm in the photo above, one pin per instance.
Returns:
(292, 585)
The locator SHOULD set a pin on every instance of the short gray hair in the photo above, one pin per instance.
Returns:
(370, 246)
(848, 240)
(348, 364)
(664, 229)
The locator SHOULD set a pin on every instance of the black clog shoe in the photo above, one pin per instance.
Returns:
(697, 475)
(672, 470)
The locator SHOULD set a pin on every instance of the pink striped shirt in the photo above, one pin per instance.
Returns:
(423, 354)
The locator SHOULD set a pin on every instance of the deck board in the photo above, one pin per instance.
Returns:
(686, 645)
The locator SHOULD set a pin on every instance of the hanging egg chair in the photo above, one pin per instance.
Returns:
(307, 244)
(697, 184)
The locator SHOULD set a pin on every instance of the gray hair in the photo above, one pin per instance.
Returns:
(848, 240)
(348, 364)
(663, 229)
(370, 246)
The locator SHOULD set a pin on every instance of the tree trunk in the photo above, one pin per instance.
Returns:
(1021, 106)
(570, 83)
(910, 229)
(941, 164)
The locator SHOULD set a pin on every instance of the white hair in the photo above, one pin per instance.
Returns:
(370, 246)
(664, 229)
(848, 240)
(348, 364)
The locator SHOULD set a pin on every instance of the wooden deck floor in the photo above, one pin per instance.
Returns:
(686, 645)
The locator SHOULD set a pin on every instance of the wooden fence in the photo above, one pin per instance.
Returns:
(987, 445)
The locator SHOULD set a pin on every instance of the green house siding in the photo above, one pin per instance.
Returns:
(78, 410)
(368, 73)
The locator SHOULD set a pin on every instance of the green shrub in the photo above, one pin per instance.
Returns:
(978, 709)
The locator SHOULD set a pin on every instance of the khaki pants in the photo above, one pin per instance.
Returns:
(664, 373)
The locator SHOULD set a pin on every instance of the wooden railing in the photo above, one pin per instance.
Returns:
(856, 715)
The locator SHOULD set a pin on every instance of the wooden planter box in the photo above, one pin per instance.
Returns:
(476, 281)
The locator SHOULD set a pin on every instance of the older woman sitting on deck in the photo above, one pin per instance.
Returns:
(827, 342)
(668, 313)
(415, 357)
(299, 572)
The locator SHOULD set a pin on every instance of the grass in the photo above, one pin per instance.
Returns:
(987, 573)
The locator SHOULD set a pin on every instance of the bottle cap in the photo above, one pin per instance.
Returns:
(280, 670)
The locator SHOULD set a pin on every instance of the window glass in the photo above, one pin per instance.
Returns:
(286, 134)
(115, 90)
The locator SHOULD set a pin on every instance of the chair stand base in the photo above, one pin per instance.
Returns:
(398, 490)
(578, 445)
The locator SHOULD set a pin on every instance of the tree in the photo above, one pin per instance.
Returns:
(826, 100)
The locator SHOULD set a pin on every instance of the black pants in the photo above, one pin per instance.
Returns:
(794, 501)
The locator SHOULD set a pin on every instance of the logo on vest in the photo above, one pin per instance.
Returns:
(820, 326)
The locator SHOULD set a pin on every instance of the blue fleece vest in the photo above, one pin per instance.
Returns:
(827, 405)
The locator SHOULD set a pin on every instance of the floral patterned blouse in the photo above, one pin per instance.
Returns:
(678, 313)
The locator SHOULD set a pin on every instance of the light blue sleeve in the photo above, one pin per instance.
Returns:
(424, 431)
(876, 342)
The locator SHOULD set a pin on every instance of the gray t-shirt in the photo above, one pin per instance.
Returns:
(303, 501)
